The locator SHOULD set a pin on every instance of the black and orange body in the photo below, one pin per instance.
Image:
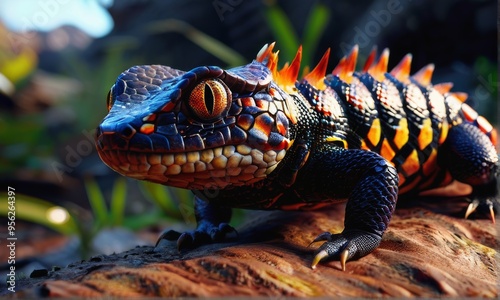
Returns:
(256, 137)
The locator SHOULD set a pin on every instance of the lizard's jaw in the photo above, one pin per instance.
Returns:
(217, 168)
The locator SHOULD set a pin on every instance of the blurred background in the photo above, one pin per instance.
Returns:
(58, 60)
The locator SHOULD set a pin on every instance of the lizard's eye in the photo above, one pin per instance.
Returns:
(209, 100)
(109, 99)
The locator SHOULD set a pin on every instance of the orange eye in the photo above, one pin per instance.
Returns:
(209, 100)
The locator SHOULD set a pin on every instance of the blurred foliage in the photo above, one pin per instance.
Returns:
(102, 217)
(17, 62)
(17, 67)
(27, 142)
(287, 38)
(175, 203)
(26, 138)
(39, 211)
(98, 79)
(114, 214)
(172, 206)
(487, 90)
(204, 41)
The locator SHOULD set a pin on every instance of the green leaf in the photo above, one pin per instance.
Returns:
(313, 30)
(41, 212)
(283, 31)
(97, 202)
(118, 199)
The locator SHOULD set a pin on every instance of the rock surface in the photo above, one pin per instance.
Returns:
(424, 253)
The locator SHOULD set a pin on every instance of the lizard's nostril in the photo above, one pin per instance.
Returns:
(106, 128)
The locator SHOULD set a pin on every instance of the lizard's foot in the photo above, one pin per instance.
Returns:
(487, 198)
(205, 234)
(344, 246)
(490, 204)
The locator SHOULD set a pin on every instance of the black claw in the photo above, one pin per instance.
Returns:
(227, 229)
(185, 240)
(169, 235)
(161, 244)
(325, 236)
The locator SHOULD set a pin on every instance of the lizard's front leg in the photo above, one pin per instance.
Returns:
(370, 183)
(211, 226)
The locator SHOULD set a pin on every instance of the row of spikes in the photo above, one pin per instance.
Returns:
(288, 75)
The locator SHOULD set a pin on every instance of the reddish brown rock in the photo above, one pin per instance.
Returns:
(423, 253)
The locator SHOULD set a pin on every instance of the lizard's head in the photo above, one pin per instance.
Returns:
(205, 128)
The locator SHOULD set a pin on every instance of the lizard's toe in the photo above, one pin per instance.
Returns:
(345, 246)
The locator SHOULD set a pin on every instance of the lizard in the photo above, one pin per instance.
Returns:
(260, 137)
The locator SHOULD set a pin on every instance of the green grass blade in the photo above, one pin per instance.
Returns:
(97, 202)
(41, 212)
(283, 32)
(313, 30)
(118, 199)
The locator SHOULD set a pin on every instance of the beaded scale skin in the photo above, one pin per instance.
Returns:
(257, 137)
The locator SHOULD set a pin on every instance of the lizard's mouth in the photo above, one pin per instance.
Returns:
(215, 156)
(219, 167)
